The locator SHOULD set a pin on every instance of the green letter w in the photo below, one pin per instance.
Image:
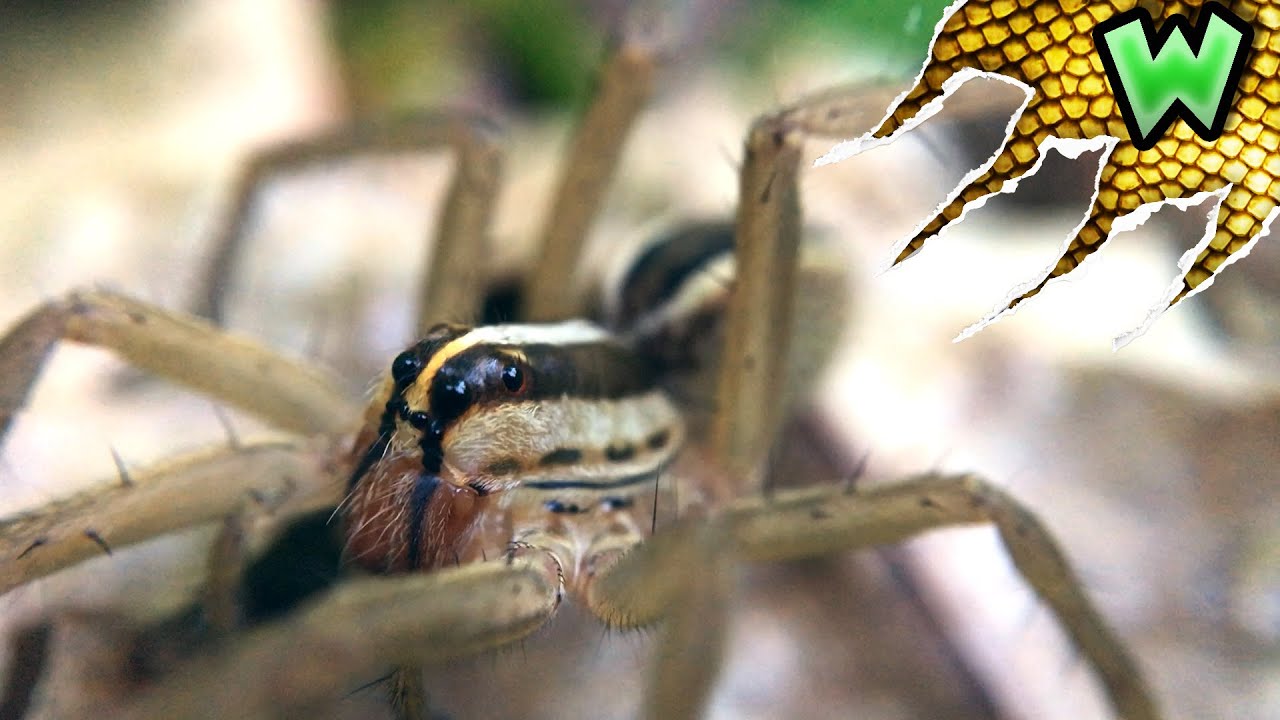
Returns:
(1196, 85)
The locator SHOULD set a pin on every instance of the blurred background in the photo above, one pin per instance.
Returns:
(122, 127)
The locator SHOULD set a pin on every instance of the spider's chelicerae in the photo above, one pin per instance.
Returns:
(500, 471)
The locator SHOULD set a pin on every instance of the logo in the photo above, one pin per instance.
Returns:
(1177, 81)
(1183, 109)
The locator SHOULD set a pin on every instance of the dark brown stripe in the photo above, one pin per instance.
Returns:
(619, 454)
(423, 488)
(658, 440)
(504, 466)
(561, 456)
(658, 273)
(593, 485)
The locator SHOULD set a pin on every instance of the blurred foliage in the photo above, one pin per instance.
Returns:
(898, 32)
(403, 53)
(398, 53)
(18, 15)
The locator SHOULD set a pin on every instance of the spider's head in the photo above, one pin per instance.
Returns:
(484, 410)
(488, 407)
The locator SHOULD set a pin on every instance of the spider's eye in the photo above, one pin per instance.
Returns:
(449, 397)
(405, 367)
(419, 419)
(513, 377)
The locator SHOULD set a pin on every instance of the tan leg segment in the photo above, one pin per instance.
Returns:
(820, 521)
(461, 235)
(220, 595)
(317, 655)
(753, 365)
(624, 86)
(683, 577)
(287, 393)
(758, 321)
(281, 477)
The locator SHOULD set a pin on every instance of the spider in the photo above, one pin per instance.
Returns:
(503, 527)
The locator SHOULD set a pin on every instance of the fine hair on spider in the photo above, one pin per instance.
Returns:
(499, 470)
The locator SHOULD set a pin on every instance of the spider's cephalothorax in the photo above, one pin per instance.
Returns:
(527, 420)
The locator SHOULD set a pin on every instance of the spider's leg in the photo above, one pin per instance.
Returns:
(758, 320)
(820, 521)
(622, 89)
(461, 234)
(754, 377)
(220, 596)
(281, 478)
(353, 633)
(287, 393)
(408, 693)
(681, 576)
(197, 489)
(772, 283)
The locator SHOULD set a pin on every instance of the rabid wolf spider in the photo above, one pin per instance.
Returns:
(502, 470)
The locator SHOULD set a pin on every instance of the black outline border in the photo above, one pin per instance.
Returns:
(1195, 38)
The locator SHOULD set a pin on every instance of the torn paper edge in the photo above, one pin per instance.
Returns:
(1188, 259)
(1072, 149)
(849, 148)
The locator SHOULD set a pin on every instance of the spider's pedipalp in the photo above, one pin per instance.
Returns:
(368, 624)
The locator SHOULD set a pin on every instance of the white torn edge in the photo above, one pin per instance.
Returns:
(1188, 258)
(1072, 149)
(849, 148)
